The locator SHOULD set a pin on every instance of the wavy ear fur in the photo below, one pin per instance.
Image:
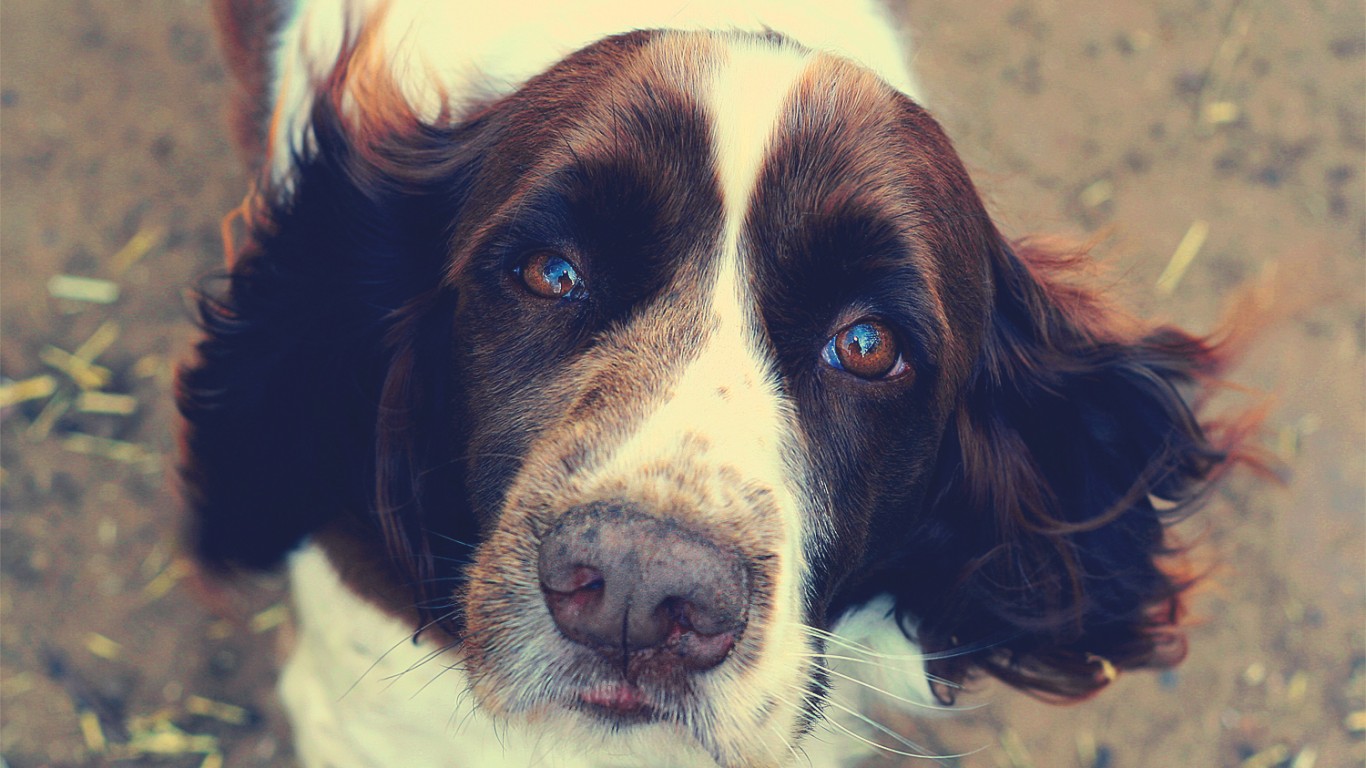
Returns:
(282, 401)
(1073, 447)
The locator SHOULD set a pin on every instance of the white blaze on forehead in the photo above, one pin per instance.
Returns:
(749, 92)
(727, 395)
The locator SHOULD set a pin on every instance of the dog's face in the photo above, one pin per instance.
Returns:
(700, 313)
(653, 370)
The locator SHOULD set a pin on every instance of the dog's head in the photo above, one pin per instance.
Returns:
(650, 373)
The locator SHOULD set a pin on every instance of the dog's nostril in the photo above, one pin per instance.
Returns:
(620, 581)
(572, 592)
(572, 579)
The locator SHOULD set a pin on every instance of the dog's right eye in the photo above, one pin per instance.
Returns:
(550, 275)
(867, 349)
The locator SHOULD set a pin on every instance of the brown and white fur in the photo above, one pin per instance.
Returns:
(554, 315)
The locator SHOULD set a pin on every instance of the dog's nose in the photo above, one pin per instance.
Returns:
(621, 582)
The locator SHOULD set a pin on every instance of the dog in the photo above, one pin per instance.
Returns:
(649, 386)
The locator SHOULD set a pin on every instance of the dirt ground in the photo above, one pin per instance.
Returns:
(1235, 126)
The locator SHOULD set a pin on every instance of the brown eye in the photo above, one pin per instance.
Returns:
(548, 274)
(868, 349)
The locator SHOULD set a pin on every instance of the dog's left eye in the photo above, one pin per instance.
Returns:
(868, 349)
(552, 276)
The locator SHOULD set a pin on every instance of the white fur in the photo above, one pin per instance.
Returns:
(472, 50)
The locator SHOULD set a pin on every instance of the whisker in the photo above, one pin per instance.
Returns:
(444, 537)
(798, 756)
(858, 647)
(469, 711)
(392, 648)
(444, 669)
(874, 663)
(434, 603)
(769, 747)
(427, 657)
(858, 736)
(902, 699)
(825, 634)
(456, 560)
(440, 579)
(466, 458)
(889, 732)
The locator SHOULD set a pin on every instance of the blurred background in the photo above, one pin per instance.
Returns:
(1209, 144)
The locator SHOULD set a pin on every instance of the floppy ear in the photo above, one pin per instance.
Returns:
(282, 402)
(1072, 448)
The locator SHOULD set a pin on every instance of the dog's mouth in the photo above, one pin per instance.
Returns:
(628, 690)
(620, 703)
(622, 706)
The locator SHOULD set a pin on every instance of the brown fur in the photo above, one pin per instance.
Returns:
(246, 30)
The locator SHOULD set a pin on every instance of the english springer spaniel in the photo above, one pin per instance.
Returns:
(644, 384)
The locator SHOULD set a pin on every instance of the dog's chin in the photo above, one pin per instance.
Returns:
(616, 721)
(625, 719)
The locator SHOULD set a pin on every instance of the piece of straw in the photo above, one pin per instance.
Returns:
(1183, 256)
(92, 290)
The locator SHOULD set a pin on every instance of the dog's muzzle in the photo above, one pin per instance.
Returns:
(649, 596)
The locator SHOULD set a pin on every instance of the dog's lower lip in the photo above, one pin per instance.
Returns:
(621, 699)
